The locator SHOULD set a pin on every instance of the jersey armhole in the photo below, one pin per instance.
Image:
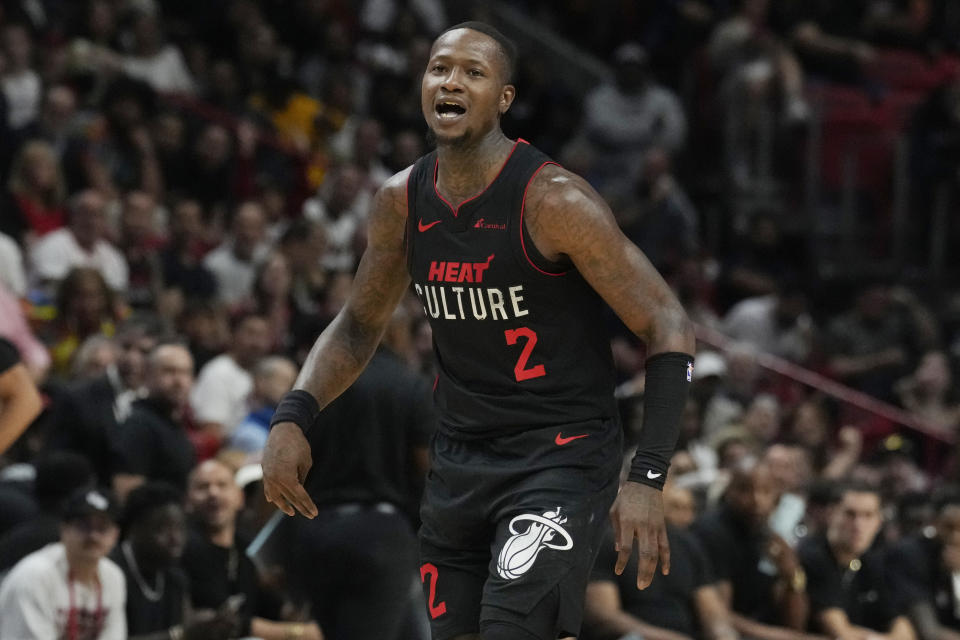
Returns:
(534, 258)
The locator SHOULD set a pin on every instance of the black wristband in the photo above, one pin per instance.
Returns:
(668, 378)
(298, 407)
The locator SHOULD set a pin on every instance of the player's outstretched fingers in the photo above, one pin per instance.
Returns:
(275, 497)
(647, 555)
(664, 551)
(302, 501)
(624, 547)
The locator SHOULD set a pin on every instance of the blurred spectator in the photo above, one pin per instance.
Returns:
(153, 443)
(182, 269)
(777, 323)
(622, 120)
(87, 413)
(151, 60)
(206, 327)
(37, 193)
(850, 592)
(140, 244)
(169, 132)
(405, 147)
(273, 298)
(94, 357)
(234, 262)
(929, 392)
(758, 574)
(870, 345)
(340, 208)
(760, 260)
(20, 401)
(12, 274)
(216, 563)
(20, 83)
(735, 390)
(210, 177)
(303, 243)
(85, 307)
(117, 153)
(15, 328)
(792, 473)
(273, 376)
(154, 530)
(812, 427)
(219, 398)
(922, 568)
(59, 474)
(69, 588)
(81, 244)
(681, 604)
(660, 219)
(367, 148)
(58, 122)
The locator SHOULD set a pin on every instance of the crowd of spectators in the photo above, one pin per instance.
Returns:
(184, 189)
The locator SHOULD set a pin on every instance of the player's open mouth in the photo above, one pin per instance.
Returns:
(447, 110)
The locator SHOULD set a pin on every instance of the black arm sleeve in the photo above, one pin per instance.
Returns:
(665, 394)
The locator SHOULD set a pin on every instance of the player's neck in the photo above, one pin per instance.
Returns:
(463, 171)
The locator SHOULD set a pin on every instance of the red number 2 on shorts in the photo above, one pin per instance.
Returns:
(520, 371)
(440, 608)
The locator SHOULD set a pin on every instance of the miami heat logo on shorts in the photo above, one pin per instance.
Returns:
(521, 549)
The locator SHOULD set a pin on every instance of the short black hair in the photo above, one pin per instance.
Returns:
(507, 48)
(145, 499)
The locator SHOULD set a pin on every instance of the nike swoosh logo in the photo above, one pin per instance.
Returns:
(560, 440)
(652, 475)
(423, 227)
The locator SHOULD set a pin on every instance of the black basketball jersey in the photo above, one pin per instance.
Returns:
(520, 341)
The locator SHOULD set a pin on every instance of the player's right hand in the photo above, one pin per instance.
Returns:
(286, 461)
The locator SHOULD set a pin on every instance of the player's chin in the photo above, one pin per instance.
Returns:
(449, 139)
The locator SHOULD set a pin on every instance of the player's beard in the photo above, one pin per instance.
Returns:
(457, 142)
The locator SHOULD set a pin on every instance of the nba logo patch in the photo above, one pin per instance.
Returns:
(689, 372)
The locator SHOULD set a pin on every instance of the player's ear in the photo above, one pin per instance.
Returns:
(506, 97)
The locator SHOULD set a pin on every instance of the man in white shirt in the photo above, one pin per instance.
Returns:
(235, 261)
(69, 589)
(219, 397)
(81, 244)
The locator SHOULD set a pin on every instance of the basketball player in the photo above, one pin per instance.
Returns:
(511, 256)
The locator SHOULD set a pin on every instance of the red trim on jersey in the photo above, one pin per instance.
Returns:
(435, 381)
(523, 204)
(456, 210)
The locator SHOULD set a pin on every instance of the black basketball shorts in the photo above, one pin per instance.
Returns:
(512, 523)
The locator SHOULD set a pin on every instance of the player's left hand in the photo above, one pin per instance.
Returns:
(638, 513)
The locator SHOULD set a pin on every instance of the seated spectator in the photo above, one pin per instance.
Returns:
(37, 194)
(215, 560)
(929, 392)
(154, 534)
(272, 377)
(20, 401)
(623, 119)
(19, 82)
(85, 307)
(183, 270)
(234, 262)
(847, 577)
(870, 345)
(58, 474)
(206, 327)
(69, 589)
(140, 244)
(273, 298)
(81, 244)
(87, 415)
(340, 208)
(153, 442)
(660, 218)
(757, 573)
(94, 358)
(925, 567)
(777, 323)
(159, 64)
(682, 604)
(219, 398)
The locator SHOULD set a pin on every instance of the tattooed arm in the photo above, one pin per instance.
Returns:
(345, 346)
(566, 218)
